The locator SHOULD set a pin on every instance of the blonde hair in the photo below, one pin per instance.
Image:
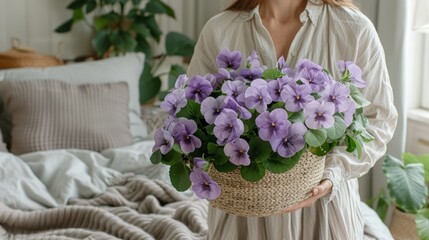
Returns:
(247, 5)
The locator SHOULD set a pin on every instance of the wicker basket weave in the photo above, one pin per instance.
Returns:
(271, 194)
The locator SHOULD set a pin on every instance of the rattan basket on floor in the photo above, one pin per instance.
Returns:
(271, 194)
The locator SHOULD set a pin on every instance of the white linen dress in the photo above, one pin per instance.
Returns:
(328, 34)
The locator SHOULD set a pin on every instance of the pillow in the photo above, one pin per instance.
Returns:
(127, 68)
(50, 114)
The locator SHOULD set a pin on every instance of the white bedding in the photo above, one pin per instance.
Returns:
(50, 178)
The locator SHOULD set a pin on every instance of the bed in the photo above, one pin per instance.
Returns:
(104, 189)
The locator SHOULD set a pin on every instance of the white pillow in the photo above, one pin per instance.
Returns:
(127, 68)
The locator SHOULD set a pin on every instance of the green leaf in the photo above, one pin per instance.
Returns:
(358, 150)
(338, 130)
(324, 149)
(169, 10)
(65, 27)
(226, 167)
(382, 207)
(423, 159)
(422, 223)
(143, 46)
(209, 129)
(259, 150)
(101, 42)
(123, 41)
(176, 148)
(137, 2)
(153, 27)
(366, 136)
(77, 15)
(357, 97)
(155, 7)
(211, 148)
(149, 86)
(179, 175)
(140, 28)
(253, 173)
(277, 105)
(351, 145)
(76, 4)
(175, 71)
(111, 2)
(91, 6)
(406, 184)
(103, 21)
(278, 164)
(315, 137)
(178, 44)
(190, 111)
(220, 157)
(171, 158)
(271, 74)
(296, 117)
(156, 157)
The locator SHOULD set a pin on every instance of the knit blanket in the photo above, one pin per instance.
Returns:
(135, 208)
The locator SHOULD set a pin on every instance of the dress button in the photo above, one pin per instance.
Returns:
(293, 53)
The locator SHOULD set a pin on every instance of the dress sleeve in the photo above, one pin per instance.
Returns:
(382, 115)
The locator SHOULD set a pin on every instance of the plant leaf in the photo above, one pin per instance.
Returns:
(315, 137)
(76, 4)
(171, 158)
(190, 111)
(278, 164)
(259, 150)
(178, 44)
(155, 7)
(140, 28)
(149, 86)
(175, 71)
(77, 15)
(382, 206)
(324, 149)
(101, 42)
(220, 157)
(226, 167)
(91, 5)
(169, 10)
(295, 117)
(406, 184)
(123, 41)
(156, 157)
(153, 27)
(179, 175)
(137, 2)
(338, 130)
(422, 223)
(357, 97)
(65, 27)
(252, 173)
(271, 74)
(423, 159)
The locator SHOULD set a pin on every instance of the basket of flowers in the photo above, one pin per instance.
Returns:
(251, 139)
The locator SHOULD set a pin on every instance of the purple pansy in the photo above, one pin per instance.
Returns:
(235, 89)
(198, 89)
(312, 74)
(348, 113)
(183, 134)
(319, 114)
(242, 112)
(163, 141)
(257, 96)
(211, 108)
(174, 101)
(237, 151)
(254, 72)
(203, 186)
(181, 81)
(296, 96)
(281, 64)
(199, 163)
(271, 124)
(228, 59)
(355, 73)
(275, 87)
(227, 127)
(291, 142)
(253, 58)
(336, 93)
(212, 79)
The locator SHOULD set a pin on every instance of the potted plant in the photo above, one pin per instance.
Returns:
(407, 186)
(122, 26)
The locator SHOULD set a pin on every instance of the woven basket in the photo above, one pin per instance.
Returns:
(271, 194)
(403, 226)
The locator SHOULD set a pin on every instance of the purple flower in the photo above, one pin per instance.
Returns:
(211, 108)
(319, 114)
(348, 113)
(198, 89)
(174, 101)
(336, 93)
(271, 124)
(254, 72)
(257, 96)
(275, 87)
(198, 163)
(227, 127)
(253, 58)
(228, 59)
(355, 73)
(296, 96)
(281, 64)
(235, 89)
(291, 142)
(243, 113)
(163, 141)
(183, 134)
(212, 79)
(203, 186)
(312, 74)
(181, 81)
(237, 151)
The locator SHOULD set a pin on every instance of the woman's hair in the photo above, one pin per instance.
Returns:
(247, 5)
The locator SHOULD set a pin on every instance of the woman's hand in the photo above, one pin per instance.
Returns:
(324, 187)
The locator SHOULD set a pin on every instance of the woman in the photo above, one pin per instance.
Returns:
(324, 31)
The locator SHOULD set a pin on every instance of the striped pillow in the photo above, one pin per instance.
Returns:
(50, 114)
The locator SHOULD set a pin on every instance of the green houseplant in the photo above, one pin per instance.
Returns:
(122, 26)
(408, 191)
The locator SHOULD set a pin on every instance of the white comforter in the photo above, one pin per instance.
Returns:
(50, 178)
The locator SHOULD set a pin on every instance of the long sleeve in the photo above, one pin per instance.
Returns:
(382, 115)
